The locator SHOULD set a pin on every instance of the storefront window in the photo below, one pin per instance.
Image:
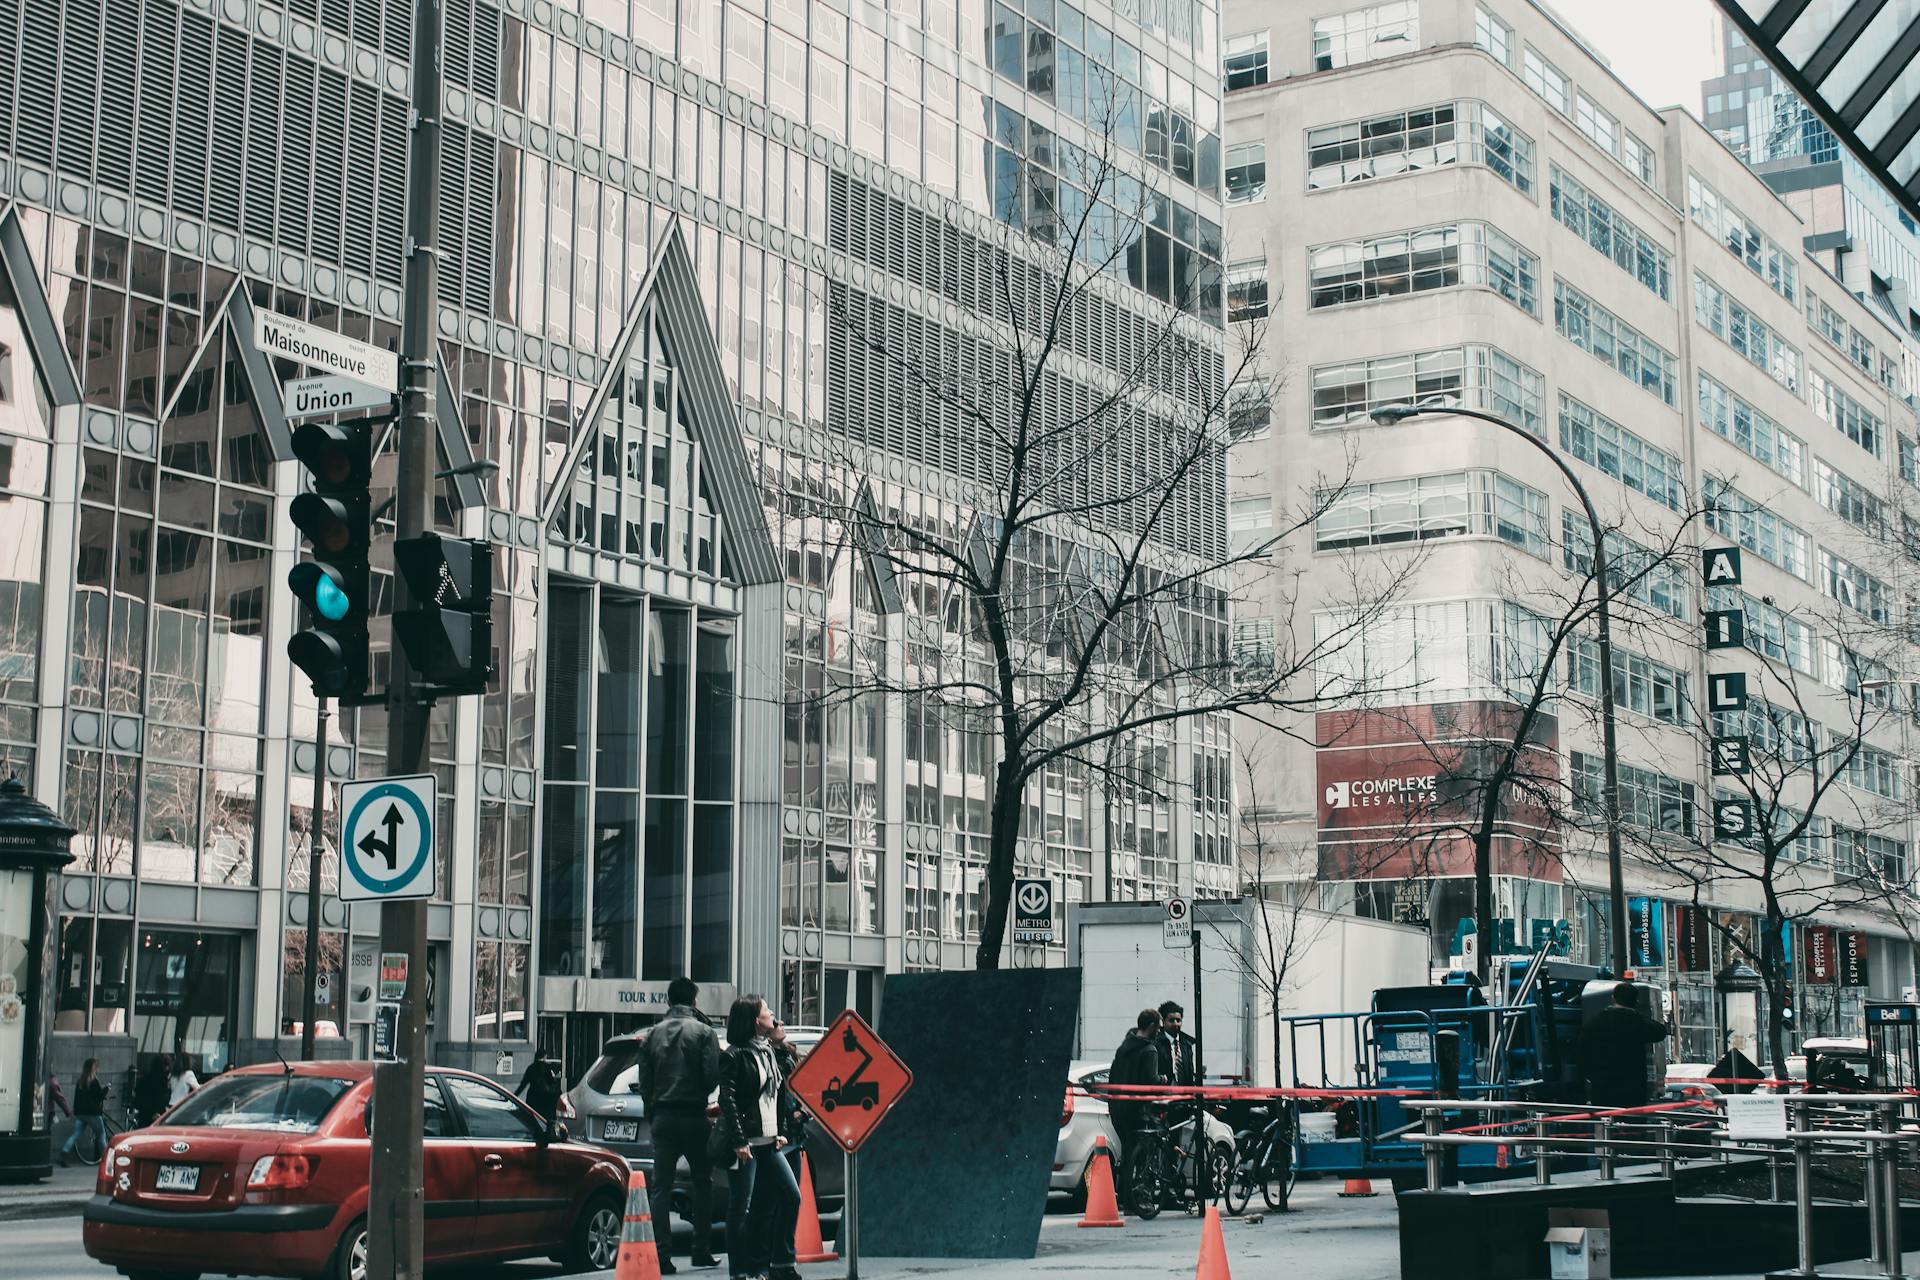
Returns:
(187, 997)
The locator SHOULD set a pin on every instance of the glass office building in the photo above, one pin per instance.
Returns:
(654, 215)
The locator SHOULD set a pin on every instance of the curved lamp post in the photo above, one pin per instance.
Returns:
(1387, 415)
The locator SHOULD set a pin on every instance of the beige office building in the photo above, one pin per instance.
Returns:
(1458, 204)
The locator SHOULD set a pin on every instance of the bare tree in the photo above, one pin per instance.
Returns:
(1081, 599)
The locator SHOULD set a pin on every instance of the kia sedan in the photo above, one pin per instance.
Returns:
(263, 1170)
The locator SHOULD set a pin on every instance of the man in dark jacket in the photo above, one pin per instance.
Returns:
(1136, 1061)
(1179, 1059)
(1613, 1050)
(679, 1068)
(540, 1086)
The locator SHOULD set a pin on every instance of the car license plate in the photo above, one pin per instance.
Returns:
(621, 1130)
(178, 1177)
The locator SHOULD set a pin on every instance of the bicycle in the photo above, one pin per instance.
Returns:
(1162, 1170)
(1264, 1159)
(88, 1146)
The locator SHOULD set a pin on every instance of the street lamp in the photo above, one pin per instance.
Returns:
(1387, 415)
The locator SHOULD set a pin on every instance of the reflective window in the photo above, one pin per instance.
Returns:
(1612, 341)
(1362, 35)
(1425, 138)
(490, 1114)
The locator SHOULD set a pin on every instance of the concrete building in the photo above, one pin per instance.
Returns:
(653, 212)
(1456, 202)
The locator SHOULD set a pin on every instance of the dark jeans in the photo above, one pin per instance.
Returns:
(677, 1136)
(1127, 1127)
(762, 1235)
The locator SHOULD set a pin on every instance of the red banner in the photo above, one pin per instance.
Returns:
(1398, 785)
(1819, 953)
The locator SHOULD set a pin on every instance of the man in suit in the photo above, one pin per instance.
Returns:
(1179, 1061)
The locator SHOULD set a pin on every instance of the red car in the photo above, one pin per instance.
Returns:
(263, 1170)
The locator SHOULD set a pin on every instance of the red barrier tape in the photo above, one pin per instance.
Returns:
(1237, 1093)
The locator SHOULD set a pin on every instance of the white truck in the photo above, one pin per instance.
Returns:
(1335, 963)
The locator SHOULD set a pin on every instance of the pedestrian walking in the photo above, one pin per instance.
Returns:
(152, 1090)
(678, 1068)
(783, 1257)
(762, 1196)
(58, 1096)
(540, 1086)
(89, 1109)
(1136, 1061)
(1179, 1052)
(1613, 1050)
(180, 1080)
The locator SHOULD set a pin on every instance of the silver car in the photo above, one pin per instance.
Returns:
(1084, 1118)
(609, 1112)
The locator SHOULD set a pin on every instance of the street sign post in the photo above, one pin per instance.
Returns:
(1033, 911)
(334, 393)
(387, 839)
(318, 348)
(849, 1082)
(1176, 930)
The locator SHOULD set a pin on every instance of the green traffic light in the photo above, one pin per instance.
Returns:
(321, 588)
(329, 601)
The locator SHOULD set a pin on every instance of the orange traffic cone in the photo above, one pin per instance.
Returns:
(1213, 1249)
(638, 1258)
(807, 1244)
(1357, 1188)
(1103, 1209)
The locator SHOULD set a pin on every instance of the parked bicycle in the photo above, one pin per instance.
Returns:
(1263, 1158)
(1165, 1173)
(89, 1147)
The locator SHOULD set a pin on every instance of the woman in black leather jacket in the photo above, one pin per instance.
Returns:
(762, 1197)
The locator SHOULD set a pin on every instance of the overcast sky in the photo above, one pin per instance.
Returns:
(1663, 49)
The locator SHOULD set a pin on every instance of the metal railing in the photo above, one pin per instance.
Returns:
(1874, 1127)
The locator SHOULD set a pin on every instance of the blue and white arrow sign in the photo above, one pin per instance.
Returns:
(387, 839)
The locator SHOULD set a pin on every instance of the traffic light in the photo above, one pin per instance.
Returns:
(447, 634)
(335, 518)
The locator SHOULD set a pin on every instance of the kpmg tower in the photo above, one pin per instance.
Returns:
(658, 218)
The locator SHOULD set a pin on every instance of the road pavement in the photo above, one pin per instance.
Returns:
(1323, 1236)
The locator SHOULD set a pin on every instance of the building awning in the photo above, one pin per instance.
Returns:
(1855, 63)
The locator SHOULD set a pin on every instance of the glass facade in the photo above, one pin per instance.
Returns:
(667, 567)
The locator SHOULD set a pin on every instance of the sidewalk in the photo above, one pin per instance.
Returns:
(62, 1195)
(1323, 1235)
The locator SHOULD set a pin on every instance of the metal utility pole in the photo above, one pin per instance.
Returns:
(395, 1234)
(310, 998)
(1609, 749)
(1202, 1147)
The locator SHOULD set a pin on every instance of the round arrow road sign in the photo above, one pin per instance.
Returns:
(1035, 898)
(387, 838)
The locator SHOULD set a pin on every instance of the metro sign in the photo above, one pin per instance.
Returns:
(850, 1080)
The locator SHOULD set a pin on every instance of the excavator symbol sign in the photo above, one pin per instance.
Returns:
(850, 1080)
